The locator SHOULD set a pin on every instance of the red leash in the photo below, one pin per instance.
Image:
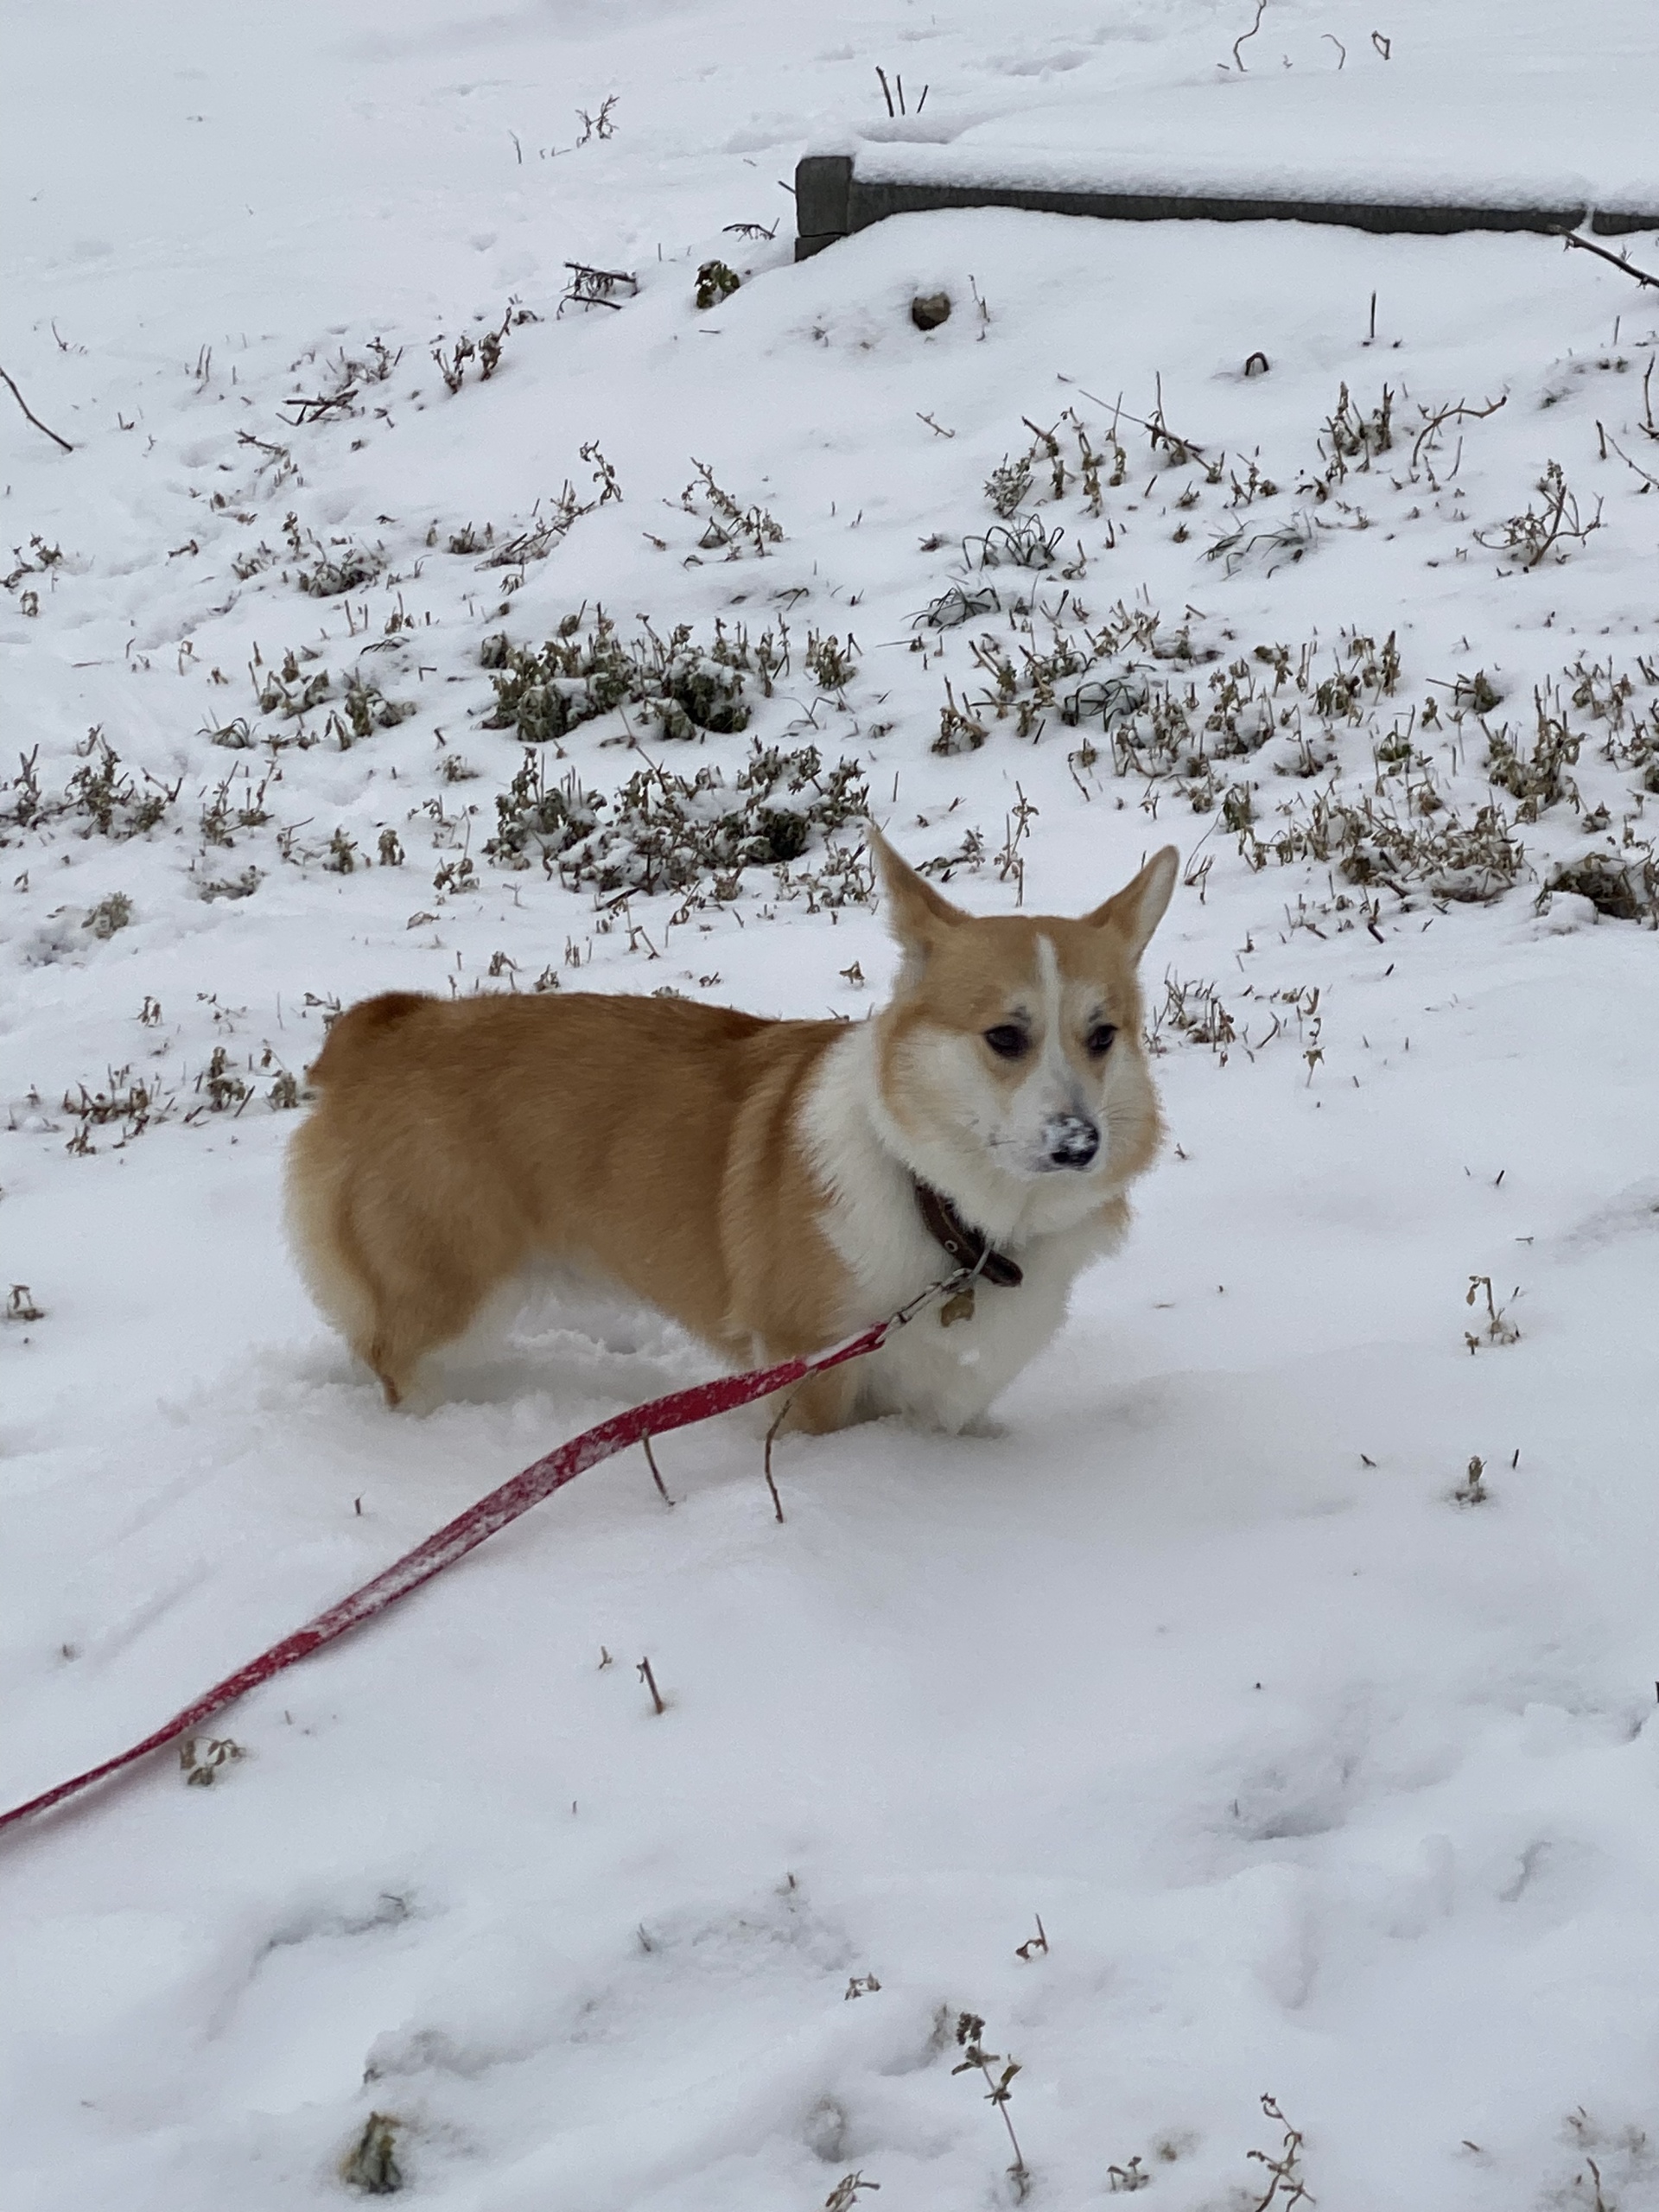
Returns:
(469, 1529)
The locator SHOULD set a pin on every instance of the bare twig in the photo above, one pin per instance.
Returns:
(1533, 535)
(592, 287)
(1286, 2170)
(1584, 245)
(1435, 419)
(313, 410)
(1261, 11)
(1032, 1944)
(1158, 431)
(970, 2031)
(1649, 483)
(600, 125)
(651, 1461)
(1342, 51)
(783, 1414)
(886, 92)
(33, 417)
(1472, 1490)
(650, 1681)
(845, 2196)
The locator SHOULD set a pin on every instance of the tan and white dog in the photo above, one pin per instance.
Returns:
(772, 1186)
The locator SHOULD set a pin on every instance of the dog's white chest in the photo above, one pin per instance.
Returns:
(948, 1374)
(944, 1375)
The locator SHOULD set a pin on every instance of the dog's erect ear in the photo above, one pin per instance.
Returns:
(1136, 910)
(916, 913)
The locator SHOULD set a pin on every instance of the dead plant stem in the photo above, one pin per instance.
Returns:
(33, 417)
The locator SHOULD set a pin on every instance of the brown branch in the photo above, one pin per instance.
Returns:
(1461, 412)
(1261, 11)
(313, 410)
(783, 1415)
(1584, 245)
(650, 1680)
(1649, 483)
(1158, 431)
(651, 1461)
(34, 417)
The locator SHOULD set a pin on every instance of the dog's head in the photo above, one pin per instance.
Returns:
(1012, 1075)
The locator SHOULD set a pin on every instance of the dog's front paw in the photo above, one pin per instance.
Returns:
(985, 1426)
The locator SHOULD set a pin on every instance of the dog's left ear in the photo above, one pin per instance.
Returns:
(917, 915)
(1136, 910)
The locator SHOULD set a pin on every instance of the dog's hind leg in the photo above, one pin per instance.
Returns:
(417, 1301)
(389, 1293)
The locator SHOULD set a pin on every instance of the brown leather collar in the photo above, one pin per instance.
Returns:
(964, 1245)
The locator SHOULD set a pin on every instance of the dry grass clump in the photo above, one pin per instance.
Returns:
(1175, 706)
(1622, 886)
(1551, 528)
(1372, 838)
(684, 689)
(289, 690)
(1537, 777)
(664, 832)
(110, 914)
(100, 798)
(370, 2166)
(729, 527)
(123, 1106)
(342, 568)
(716, 281)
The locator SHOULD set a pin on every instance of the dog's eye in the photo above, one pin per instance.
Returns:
(1007, 1042)
(1099, 1039)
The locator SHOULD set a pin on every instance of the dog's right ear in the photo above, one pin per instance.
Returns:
(916, 914)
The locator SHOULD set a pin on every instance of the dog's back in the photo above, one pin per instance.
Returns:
(456, 1140)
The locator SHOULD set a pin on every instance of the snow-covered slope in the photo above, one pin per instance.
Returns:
(1327, 1763)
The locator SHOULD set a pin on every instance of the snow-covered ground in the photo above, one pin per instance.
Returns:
(1327, 1762)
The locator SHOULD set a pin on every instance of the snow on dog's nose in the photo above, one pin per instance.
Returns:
(1072, 1140)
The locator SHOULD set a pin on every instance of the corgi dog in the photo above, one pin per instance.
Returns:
(772, 1186)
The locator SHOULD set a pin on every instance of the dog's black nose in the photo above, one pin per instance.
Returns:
(1072, 1140)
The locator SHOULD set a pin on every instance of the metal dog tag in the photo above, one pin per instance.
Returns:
(959, 1308)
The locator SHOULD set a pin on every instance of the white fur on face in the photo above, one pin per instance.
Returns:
(968, 1130)
(1012, 1120)
(946, 1375)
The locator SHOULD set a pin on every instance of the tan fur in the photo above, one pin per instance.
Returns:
(663, 1148)
(970, 975)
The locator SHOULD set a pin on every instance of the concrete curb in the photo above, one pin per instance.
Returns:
(832, 201)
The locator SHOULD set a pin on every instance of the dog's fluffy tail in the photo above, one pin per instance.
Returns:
(320, 1178)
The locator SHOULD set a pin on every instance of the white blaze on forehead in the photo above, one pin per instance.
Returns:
(1052, 1064)
(1048, 984)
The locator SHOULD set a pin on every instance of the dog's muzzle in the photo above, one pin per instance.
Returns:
(1072, 1140)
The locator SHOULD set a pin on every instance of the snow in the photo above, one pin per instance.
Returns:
(1324, 1783)
(1455, 104)
(1366, 180)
